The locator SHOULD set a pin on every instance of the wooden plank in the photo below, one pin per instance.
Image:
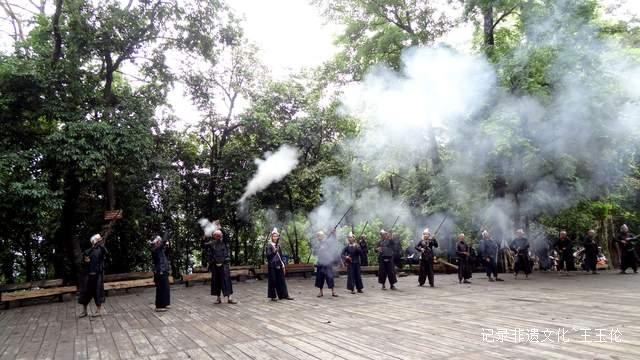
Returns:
(128, 276)
(130, 284)
(39, 293)
(29, 285)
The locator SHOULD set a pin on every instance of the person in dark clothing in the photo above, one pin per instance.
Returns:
(463, 251)
(352, 255)
(219, 261)
(591, 252)
(520, 246)
(489, 250)
(92, 279)
(565, 250)
(427, 256)
(161, 271)
(324, 250)
(626, 243)
(364, 246)
(386, 269)
(276, 285)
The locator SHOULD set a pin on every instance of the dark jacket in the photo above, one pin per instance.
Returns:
(160, 262)
(217, 252)
(489, 248)
(354, 252)
(425, 248)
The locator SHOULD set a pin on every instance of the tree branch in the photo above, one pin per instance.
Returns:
(504, 15)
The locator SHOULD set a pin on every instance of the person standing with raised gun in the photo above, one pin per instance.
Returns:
(161, 271)
(92, 280)
(425, 248)
(219, 264)
(276, 285)
(324, 251)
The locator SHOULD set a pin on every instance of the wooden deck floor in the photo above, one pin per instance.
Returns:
(474, 321)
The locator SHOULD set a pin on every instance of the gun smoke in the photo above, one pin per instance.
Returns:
(273, 168)
(550, 151)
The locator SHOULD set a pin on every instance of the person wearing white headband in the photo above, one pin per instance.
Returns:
(564, 247)
(161, 271)
(489, 251)
(626, 242)
(219, 264)
(352, 254)
(92, 281)
(427, 256)
(326, 252)
(276, 284)
(386, 267)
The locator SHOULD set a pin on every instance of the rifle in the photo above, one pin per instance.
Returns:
(334, 229)
(363, 229)
(439, 226)
(394, 225)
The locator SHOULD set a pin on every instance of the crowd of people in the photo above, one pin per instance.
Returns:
(330, 252)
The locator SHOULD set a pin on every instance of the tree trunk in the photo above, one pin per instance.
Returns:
(67, 245)
(57, 37)
(28, 257)
(487, 17)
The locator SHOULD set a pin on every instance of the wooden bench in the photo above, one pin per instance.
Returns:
(236, 274)
(130, 284)
(32, 290)
(373, 269)
(53, 288)
(128, 276)
(305, 269)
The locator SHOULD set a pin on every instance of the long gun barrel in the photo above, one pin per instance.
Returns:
(364, 228)
(394, 224)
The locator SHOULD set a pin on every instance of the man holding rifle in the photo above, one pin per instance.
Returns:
(489, 249)
(325, 252)
(386, 269)
(219, 259)
(520, 247)
(425, 248)
(92, 280)
(626, 242)
(276, 285)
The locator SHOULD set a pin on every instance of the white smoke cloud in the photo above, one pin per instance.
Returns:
(273, 168)
(209, 227)
(552, 151)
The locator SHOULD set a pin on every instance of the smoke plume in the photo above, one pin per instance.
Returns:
(273, 168)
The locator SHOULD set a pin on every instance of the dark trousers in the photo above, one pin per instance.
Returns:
(386, 270)
(221, 280)
(324, 273)
(276, 284)
(464, 269)
(590, 262)
(426, 271)
(522, 264)
(163, 295)
(628, 260)
(354, 277)
(93, 288)
(364, 259)
(566, 261)
(491, 266)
